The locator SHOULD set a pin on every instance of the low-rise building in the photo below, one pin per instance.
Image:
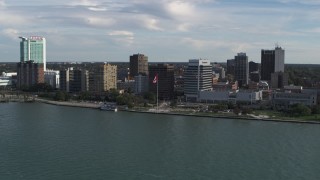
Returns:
(285, 99)
(8, 79)
(250, 97)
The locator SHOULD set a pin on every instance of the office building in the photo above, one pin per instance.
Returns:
(29, 73)
(271, 61)
(141, 84)
(279, 80)
(64, 80)
(165, 74)
(138, 65)
(103, 78)
(8, 80)
(241, 69)
(231, 66)
(52, 78)
(253, 67)
(197, 77)
(33, 49)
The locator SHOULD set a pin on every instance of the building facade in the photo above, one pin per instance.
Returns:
(103, 78)
(138, 65)
(253, 67)
(197, 77)
(29, 73)
(231, 66)
(241, 69)
(271, 61)
(52, 78)
(279, 80)
(165, 73)
(141, 84)
(33, 48)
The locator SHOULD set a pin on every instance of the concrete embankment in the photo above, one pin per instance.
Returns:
(248, 118)
(70, 103)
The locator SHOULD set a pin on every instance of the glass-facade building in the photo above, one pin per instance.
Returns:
(34, 49)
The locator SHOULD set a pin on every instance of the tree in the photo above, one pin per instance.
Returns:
(299, 110)
(151, 97)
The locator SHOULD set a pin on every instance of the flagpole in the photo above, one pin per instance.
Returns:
(157, 93)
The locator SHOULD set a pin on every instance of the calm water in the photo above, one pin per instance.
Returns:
(40, 141)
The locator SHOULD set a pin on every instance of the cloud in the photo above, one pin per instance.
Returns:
(308, 2)
(100, 22)
(2, 4)
(180, 8)
(97, 8)
(122, 37)
(11, 33)
(152, 24)
(121, 33)
(84, 3)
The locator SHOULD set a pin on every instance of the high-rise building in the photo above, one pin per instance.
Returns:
(253, 66)
(29, 73)
(241, 69)
(165, 74)
(65, 80)
(197, 77)
(74, 80)
(230, 66)
(103, 78)
(33, 48)
(271, 61)
(138, 65)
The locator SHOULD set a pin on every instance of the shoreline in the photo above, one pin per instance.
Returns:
(247, 118)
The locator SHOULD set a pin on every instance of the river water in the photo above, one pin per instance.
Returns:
(41, 141)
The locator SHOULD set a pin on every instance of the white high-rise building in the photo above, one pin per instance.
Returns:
(33, 49)
(197, 77)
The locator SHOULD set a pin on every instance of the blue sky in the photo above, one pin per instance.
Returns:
(165, 30)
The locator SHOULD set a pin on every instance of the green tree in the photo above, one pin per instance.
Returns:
(299, 110)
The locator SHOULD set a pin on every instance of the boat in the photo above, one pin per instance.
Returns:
(109, 107)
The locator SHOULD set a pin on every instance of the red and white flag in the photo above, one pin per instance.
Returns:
(155, 79)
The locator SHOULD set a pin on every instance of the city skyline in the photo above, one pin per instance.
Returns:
(165, 30)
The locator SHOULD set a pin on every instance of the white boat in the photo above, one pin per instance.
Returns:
(109, 107)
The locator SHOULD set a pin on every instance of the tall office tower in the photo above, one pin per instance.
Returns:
(253, 66)
(138, 65)
(271, 61)
(230, 66)
(29, 73)
(84, 80)
(64, 80)
(103, 78)
(197, 77)
(241, 69)
(165, 80)
(33, 48)
(75, 80)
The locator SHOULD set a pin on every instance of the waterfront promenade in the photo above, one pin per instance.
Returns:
(180, 112)
(93, 105)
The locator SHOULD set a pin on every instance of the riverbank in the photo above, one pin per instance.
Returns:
(249, 117)
(70, 103)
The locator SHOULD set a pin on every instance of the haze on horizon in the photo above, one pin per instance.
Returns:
(164, 30)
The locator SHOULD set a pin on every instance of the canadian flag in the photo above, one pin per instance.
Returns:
(155, 79)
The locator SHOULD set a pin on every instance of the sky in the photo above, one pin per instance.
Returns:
(164, 30)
